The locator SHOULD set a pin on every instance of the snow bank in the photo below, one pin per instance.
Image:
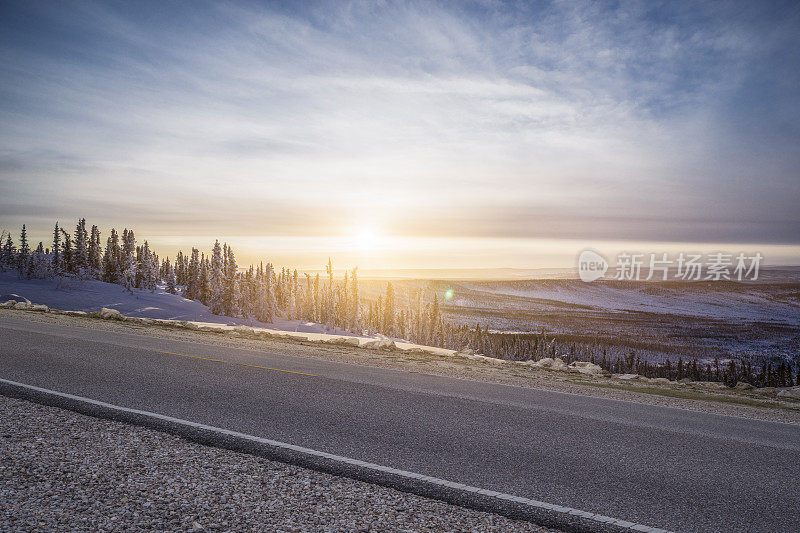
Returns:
(24, 305)
(14, 298)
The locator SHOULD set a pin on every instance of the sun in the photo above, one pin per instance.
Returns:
(367, 240)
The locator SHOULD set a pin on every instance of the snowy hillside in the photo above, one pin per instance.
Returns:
(93, 295)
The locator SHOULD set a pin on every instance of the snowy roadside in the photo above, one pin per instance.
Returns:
(376, 341)
(93, 298)
(159, 307)
(63, 471)
(743, 403)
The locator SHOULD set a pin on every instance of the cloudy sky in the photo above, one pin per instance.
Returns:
(412, 134)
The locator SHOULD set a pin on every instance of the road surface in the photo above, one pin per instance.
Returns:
(662, 467)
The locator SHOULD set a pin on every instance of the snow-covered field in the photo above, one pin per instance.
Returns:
(750, 302)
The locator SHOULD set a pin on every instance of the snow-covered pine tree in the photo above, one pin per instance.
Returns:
(329, 304)
(153, 277)
(192, 289)
(355, 312)
(296, 296)
(378, 326)
(216, 280)
(389, 311)
(371, 320)
(246, 293)
(145, 278)
(205, 276)
(261, 309)
(3, 260)
(434, 318)
(278, 289)
(344, 304)
(55, 262)
(269, 278)
(111, 259)
(401, 324)
(180, 275)
(308, 308)
(317, 300)
(95, 253)
(128, 259)
(9, 252)
(255, 289)
(39, 266)
(291, 297)
(80, 257)
(419, 330)
(23, 256)
(169, 277)
(265, 307)
(231, 295)
(141, 265)
(67, 260)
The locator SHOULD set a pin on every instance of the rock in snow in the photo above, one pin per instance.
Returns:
(110, 314)
(708, 385)
(585, 367)
(386, 344)
(550, 363)
(791, 392)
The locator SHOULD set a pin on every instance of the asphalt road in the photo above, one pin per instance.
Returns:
(662, 467)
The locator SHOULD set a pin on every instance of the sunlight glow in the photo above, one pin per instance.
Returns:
(367, 240)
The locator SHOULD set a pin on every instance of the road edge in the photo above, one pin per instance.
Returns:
(510, 506)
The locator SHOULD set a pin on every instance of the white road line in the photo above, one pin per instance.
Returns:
(347, 460)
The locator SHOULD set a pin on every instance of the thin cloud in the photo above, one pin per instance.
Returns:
(604, 121)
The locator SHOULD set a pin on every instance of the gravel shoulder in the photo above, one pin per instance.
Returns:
(746, 404)
(64, 471)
